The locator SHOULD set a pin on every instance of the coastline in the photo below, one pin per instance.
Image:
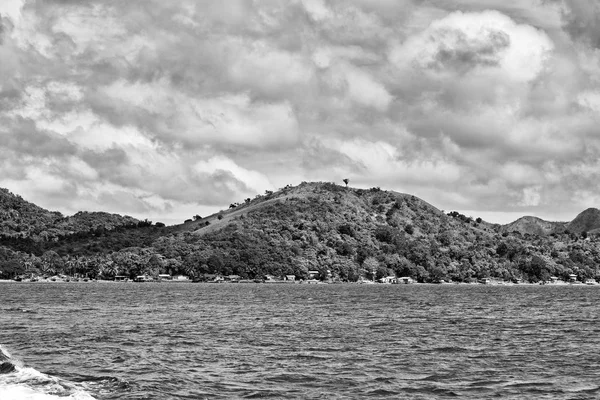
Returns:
(103, 282)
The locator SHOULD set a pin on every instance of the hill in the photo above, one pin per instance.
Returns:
(22, 219)
(343, 233)
(533, 226)
(588, 221)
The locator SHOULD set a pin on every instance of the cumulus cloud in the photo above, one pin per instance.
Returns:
(158, 109)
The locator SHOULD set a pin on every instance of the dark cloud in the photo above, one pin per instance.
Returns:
(1, 30)
(583, 21)
(109, 158)
(25, 138)
(463, 54)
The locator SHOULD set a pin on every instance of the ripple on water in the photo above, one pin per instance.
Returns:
(332, 341)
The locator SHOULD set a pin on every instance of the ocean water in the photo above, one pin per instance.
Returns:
(196, 341)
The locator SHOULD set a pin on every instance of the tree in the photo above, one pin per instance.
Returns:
(197, 217)
(10, 268)
(52, 262)
(346, 181)
(371, 265)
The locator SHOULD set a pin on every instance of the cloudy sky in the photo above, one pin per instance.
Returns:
(165, 110)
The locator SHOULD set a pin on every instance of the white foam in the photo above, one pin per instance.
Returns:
(23, 392)
(4, 351)
(29, 383)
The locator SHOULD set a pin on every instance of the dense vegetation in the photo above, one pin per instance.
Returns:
(20, 219)
(341, 232)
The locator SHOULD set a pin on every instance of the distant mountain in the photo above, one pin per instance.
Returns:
(588, 221)
(533, 226)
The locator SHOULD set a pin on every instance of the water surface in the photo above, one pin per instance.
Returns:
(194, 341)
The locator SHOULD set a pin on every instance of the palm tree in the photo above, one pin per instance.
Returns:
(111, 268)
(190, 270)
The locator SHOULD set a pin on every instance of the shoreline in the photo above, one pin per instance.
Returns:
(582, 284)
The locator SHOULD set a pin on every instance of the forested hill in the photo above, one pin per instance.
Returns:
(22, 219)
(534, 226)
(344, 233)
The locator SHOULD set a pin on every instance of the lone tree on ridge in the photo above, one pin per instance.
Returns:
(346, 180)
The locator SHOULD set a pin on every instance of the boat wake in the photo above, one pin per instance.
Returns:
(18, 382)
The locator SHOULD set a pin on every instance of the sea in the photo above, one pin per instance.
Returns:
(138, 341)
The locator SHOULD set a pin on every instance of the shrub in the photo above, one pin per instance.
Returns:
(384, 234)
(345, 229)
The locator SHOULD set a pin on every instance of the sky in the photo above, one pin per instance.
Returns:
(164, 110)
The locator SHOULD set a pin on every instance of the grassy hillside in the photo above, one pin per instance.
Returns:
(343, 233)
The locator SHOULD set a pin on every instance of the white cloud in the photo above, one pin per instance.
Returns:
(254, 180)
(383, 162)
(230, 119)
(263, 68)
(317, 9)
(12, 9)
(531, 196)
(94, 26)
(176, 106)
(486, 42)
(363, 89)
(520, 174)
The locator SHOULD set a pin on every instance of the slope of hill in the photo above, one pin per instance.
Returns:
(343, 233)
(533, 226)
(588, 221)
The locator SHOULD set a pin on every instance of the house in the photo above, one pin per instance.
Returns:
(313, 274)
(291, 278)
(121, 278)
(388, 279)
(212, 278)
(485, 281)
(181, 278)
(405, 280)
(572, 278)
(164, 277)
(232, 278)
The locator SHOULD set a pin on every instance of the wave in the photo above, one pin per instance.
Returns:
(25, 383)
